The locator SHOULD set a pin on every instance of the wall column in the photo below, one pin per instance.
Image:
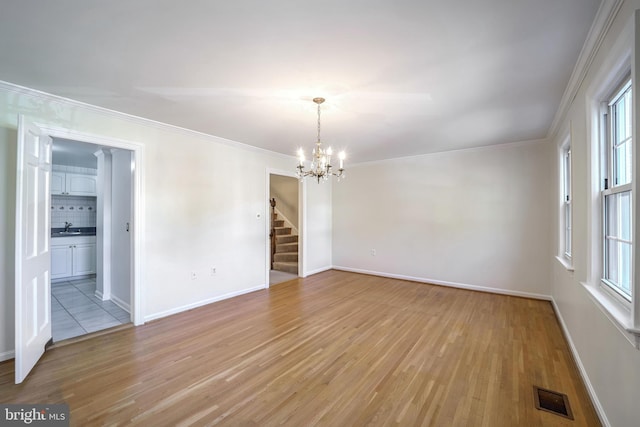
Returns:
(103, 225)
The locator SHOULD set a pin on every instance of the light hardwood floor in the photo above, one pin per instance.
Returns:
(336, 349)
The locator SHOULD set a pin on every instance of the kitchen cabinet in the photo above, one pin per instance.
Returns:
(73, 184)
(61, 261)
(84, 259)
(73, 256)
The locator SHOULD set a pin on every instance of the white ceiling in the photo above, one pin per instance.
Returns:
(400, 77)
(74, 153)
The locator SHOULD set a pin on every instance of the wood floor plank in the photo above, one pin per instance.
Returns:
(336, 348)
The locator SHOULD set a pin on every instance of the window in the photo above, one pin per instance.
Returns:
(611, 203)
(566, 200)
(617, 244)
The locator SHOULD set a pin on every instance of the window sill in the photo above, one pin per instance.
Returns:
(616, 312)
(565, 263)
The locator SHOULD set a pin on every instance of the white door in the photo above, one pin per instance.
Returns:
(33, 261)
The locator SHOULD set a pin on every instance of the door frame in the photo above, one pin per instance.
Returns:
(302, 228)
(137, 241)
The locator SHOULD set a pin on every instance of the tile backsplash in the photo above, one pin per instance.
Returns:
(78, 210)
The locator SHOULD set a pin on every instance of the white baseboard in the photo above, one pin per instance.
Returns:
(445, 283)
(583, 373)
(317, 270)
(7, 355)
(123, 305)
(201, 303)
(101, 296)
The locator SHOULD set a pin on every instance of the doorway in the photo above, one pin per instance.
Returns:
(90, 239)
(284, 228)
(33, 220)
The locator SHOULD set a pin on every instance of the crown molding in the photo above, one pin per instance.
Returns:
(505, 145)
(605, 16)
(72, 103)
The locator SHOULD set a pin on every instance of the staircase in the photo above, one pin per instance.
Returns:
(285, 257)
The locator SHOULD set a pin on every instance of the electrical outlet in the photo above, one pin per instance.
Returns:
(373, 252)
(213, 271)
(194, 275)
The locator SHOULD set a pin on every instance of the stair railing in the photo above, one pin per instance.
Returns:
(272, 234)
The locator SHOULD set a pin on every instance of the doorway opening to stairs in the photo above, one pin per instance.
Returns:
(284, 228)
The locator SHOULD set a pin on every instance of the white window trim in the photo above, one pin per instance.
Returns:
(625, 317)
(568, 205)
(608, 171)
(567, 196)
(564, 257)
(616, 312)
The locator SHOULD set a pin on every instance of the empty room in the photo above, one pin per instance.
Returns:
(339, 213)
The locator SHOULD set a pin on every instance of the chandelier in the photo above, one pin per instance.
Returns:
(320, 167)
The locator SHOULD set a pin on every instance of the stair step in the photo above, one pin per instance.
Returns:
(289, 267)
(286, 238)
(282, 230)
(287, 247)
(278, 222)
(285, 257)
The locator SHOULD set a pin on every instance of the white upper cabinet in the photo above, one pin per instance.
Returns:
(81, 185)
(71, 184)
(57, 183)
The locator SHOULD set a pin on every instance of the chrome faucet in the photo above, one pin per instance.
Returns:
(67, 225)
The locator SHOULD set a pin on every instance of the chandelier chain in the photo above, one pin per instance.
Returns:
(318, 123)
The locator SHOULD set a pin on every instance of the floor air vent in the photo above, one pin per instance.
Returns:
(552, 401)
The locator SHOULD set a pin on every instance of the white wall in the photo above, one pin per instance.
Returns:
(317, 213)
(610, 364)
(121, 238)
(202, 199)
(478, 218)
(285, 190)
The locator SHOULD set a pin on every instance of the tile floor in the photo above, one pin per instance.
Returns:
(75, 310)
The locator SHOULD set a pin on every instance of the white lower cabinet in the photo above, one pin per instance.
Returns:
(61, 261)
(84, 259)
(73, 256)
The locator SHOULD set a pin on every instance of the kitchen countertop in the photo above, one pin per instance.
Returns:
(73, 231)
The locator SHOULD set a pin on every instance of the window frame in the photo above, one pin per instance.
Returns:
(616, 67)
(610, 188)
(567, 211)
